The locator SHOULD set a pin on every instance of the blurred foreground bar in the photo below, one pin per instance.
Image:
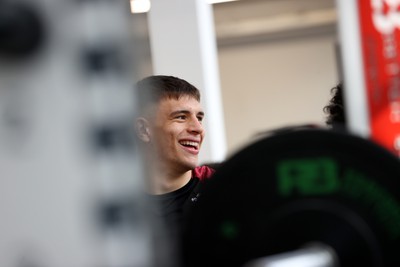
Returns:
(70, 176)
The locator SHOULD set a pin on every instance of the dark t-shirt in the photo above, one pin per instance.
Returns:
(171, 206)
(169, 213)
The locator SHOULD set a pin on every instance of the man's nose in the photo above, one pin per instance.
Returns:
(196, 126)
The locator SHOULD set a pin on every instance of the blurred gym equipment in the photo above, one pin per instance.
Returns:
(70, 175)
(300, 197)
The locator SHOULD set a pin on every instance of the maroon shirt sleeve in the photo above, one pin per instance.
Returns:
(203, 172)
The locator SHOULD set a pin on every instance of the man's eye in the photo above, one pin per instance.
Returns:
(182, 117)
(200, 119)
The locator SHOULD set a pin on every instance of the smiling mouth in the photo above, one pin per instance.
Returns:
(190, 144)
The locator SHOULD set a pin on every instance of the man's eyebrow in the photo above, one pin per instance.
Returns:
(185, 111)
(181, 111)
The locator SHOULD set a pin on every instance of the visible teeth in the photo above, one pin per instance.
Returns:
(189, 143)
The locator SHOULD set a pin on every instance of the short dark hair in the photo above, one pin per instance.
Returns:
(156, 87)
(335, 108)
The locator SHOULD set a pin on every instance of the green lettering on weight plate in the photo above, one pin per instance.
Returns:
(307, 176)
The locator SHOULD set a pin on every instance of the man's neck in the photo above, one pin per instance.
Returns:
(162, 182)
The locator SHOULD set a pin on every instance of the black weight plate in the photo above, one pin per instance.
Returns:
(286, 190)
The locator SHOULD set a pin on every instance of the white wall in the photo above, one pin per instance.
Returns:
(271, 84)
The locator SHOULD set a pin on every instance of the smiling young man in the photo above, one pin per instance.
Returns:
(169, 127)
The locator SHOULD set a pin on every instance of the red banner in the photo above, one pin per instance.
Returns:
(380, 41)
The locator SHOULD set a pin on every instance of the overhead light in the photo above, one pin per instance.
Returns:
(140, 6)
(219, 1)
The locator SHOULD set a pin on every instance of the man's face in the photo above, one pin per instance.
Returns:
(176, 133)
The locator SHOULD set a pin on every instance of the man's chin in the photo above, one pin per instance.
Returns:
(191, 164)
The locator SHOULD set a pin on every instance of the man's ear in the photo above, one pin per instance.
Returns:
(142, 129)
